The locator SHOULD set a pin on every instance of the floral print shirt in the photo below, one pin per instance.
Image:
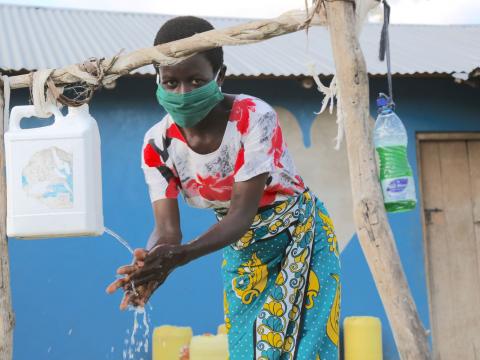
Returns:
(252, 144)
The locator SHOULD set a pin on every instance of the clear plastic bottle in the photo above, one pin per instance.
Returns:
(396, 177)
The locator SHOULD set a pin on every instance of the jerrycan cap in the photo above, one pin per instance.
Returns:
(77, 110)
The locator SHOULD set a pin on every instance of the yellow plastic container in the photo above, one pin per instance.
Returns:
(362, 338)
(209, 347)
(222, 329)
(168, 341)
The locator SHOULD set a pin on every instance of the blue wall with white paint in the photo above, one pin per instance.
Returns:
(62, 311)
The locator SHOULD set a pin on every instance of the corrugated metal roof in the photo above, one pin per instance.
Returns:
(38, 37)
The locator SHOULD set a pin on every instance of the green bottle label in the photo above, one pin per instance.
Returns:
(396, 178)
(393, 162)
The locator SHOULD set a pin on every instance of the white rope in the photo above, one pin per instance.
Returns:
(38, 93)
(42, 100)
(330, 92)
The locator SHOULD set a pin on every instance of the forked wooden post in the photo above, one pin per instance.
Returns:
(371, 222)
(6, 314)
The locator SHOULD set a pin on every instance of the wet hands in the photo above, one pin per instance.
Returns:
(134, 295)
(146, 273)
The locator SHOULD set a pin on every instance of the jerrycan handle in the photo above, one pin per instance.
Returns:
(20, 112)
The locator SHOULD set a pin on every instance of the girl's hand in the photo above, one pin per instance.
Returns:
(138, 261)
(158, 264)
(146, 273)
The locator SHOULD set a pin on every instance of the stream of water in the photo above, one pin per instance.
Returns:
(119, 239)
(136, 343)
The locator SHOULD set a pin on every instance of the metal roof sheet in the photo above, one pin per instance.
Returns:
(40, 37)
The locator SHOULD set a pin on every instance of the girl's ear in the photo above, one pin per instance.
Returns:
(157, 72)
(158, 79)
(221, 75)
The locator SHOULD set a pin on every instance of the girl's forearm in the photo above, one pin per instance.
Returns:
(157, 238)
(245, 202)
(230, 229)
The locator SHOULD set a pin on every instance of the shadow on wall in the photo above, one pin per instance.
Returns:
(324, 169)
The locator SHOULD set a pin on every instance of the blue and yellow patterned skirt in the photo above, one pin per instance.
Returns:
(282, 285)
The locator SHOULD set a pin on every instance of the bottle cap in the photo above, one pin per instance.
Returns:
(382, 101)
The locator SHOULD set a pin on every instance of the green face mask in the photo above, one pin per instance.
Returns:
(188, 109)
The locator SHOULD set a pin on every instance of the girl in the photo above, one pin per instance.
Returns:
(281, 267)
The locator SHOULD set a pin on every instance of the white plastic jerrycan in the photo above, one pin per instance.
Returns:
(54, 184)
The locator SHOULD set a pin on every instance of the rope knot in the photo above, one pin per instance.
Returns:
(86, 78)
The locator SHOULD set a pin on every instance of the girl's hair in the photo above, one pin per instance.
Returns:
(185, 26)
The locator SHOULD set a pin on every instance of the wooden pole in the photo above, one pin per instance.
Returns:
(7, 320)
(371, 222)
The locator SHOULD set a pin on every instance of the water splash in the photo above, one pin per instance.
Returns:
(146, 325)
(134, 346)
(119, 238)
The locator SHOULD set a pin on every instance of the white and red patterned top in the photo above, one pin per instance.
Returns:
(252, 144)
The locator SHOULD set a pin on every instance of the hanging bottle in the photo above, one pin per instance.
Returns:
(396, 177)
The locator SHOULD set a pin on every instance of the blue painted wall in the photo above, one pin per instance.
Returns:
(62, 311)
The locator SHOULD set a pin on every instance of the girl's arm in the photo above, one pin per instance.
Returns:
(243, 208)
(166, 232)
(163, 258)
(151, 268)
(167, 224)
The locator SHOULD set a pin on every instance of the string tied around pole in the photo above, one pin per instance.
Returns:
(385, 51)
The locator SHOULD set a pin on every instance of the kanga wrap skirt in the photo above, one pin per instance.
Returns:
(282, 284)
